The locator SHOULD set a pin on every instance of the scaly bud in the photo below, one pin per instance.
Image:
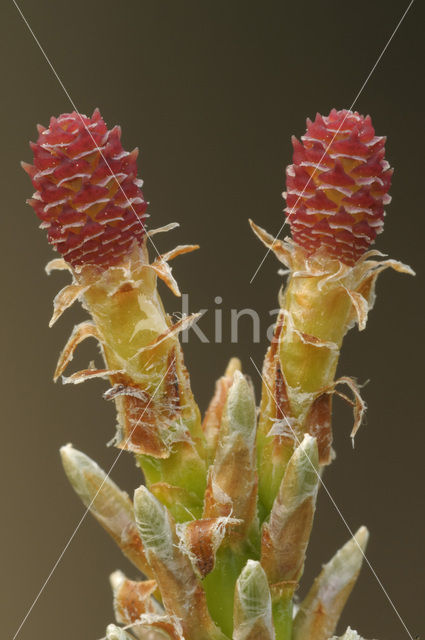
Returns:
(286, 534)
(110, 506)
(213, 415)
(88, 195)
(182, 592)
(253, 605)
(319, 612)
(232, 482)
(338, 186)
(232, 492)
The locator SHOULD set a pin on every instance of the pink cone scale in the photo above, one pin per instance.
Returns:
(88, 196)
(337, 186)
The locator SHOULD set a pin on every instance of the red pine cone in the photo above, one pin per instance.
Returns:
(88, 195)
(338, 186)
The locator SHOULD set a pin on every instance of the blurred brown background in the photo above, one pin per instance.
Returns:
(211, 92)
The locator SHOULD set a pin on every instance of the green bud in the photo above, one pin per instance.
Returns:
(153, 524)
(253, 607)
(111, 507)
(182, 592)
(319, 613)
(240, 411)
(232, 481)
(285, 537)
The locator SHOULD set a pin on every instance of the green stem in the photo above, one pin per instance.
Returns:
(219, 585)
(282, 611)
(182, 479)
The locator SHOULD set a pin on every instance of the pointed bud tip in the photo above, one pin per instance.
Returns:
(252, 592)
(240, 407)
(253, 586)
(116, 580)
(66, 447)
(75, 460)
(142, 494)
(252, 570)
(308, 442)
(362, 537)
(234, 365)
(68, 454)
(152, 519)
(350, 634)
(306, 457)
(346, 563)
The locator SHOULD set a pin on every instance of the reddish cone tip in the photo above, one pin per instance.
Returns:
(88, 195)
(338, 186)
